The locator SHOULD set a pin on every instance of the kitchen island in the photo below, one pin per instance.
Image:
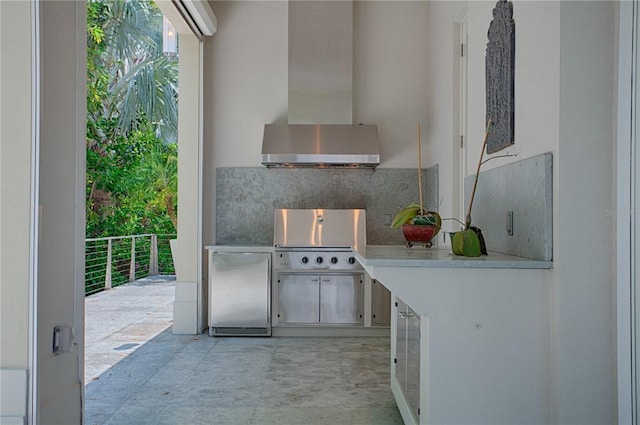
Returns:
(470, 337)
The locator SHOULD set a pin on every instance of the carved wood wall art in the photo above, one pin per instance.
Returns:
(500, 76)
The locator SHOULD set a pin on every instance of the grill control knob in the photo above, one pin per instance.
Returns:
(319, 260)
(304, 260)
(351, 260)
(334, 260)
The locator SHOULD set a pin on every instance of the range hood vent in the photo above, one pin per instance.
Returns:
(320, 130)
(320, 145)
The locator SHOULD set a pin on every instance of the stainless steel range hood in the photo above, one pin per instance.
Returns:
(320, 131)
(320, 145)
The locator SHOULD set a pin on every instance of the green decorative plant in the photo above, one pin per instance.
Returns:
(470, 241)
(417, 215)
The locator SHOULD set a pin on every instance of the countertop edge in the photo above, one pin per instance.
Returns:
(239, 248)
(484, 262)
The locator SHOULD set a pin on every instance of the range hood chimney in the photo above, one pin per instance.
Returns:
(320, 130)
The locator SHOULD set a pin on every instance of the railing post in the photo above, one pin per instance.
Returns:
(153, 256)
(107, 277)
(132, 265)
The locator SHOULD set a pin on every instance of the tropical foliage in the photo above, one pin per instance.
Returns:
(131, 121)
(129, 79)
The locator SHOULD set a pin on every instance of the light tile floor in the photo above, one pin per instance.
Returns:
(187, 379)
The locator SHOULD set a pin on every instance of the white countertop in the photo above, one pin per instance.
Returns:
(240, 248)
(401, 256)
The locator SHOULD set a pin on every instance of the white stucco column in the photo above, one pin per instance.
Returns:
(187, 308)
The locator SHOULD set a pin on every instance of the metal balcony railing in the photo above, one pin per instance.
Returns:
(116, 260)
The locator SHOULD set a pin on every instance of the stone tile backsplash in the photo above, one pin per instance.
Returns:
(246, 198)
(525, 188)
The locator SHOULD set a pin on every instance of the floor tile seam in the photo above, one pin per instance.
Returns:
(265, 378)
(253, 414)
(150, 334)
(125, 301)
(156, 370)
(113, 414)
(138, 321)
(149, 419)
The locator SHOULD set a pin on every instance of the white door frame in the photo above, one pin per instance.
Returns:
(628, 238)
(460, 66)
(32, 405)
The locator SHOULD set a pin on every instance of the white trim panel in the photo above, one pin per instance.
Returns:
(32, 413)
(625, 202)
(13, 396)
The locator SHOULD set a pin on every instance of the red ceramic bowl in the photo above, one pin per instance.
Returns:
(418, 233)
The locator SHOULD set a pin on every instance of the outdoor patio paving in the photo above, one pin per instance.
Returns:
(121, 320)
(138, 372)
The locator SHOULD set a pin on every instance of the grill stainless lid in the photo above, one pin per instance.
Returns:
(319, 228)
(331, 145)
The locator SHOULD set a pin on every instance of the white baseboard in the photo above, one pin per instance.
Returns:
(13, 396)
(12, 420)
(330, 331)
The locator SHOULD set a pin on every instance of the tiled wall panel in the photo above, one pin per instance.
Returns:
(246, 198)
(526, 188)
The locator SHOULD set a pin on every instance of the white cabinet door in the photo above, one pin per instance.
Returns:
(413, 363)
(401, 346)
(407, 357)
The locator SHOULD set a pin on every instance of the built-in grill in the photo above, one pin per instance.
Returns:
(317, 280)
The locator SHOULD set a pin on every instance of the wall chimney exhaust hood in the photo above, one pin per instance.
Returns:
(320, 145)
(320, 131)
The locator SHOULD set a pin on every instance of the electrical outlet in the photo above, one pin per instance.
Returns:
(387, 219)
(509, 225)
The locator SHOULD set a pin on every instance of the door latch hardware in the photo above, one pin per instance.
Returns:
(63, 339)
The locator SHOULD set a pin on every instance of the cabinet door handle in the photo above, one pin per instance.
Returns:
(406, 315)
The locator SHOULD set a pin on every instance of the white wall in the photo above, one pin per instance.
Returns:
(564, 104)
(441, 138)
(390, 65)
(246, 84)
(536, 80)
(585, 285)
(536, 85)
(15, 206)
(15, 188)
(245, 87)
(245, 80)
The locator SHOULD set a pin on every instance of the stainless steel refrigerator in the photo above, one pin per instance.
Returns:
(240, 294)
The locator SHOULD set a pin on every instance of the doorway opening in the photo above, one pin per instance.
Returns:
(131, 179)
